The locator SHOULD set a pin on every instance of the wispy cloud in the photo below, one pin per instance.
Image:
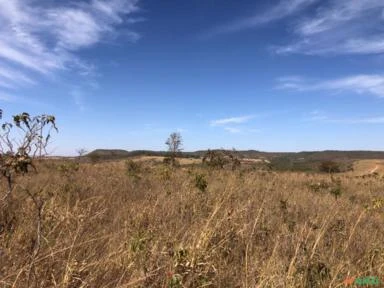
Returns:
(78, 97)
(7, 97)
(241, 130)
(320, 116)
(43, 38)
(232, 130)
(340, 27)
(232, 120)
(283, 9)
(316, 115)
(360, 84)
(237, 125)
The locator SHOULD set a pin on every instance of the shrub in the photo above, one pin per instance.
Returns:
(171, 161)
(330, 167)
(133, 169)
(221, 158)
(21, 141)
(94, 158)
(201, 182)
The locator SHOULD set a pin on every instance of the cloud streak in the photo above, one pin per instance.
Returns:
(232, 120)
(360, 84)
(41, 39)
(331, 27)
(318, 116)
(236, 125)
(232, 130)
(283, 9)
(340, 27)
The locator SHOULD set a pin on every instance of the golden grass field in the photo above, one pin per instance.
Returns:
(364, 167)
(104, 225)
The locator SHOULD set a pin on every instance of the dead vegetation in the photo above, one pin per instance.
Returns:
(121, 224)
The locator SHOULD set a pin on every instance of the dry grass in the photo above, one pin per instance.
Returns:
(364, 167)
(160, 159)
(104, 227)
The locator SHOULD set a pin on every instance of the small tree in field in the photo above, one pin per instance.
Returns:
(21, 141)
(81, 152)
(174, 143)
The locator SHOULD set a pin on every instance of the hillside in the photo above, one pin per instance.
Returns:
(283, 161)
(108, 153)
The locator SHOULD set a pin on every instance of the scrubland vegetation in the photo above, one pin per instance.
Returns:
(144, 224)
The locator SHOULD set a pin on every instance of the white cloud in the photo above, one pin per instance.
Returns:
(316, 115)
(13, 78)
(231, 120)
(232, 130)
(7, 97)
(340, 27)
(78, 96)
(283, 9)
(241, 130)
(237, 125)
(319, 116)
(361, 84)
(43, 38)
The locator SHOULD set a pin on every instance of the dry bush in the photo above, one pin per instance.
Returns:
(101, 227)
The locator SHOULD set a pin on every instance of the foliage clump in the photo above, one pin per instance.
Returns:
(133, 169)
(221, 159)
(201, 182)
(21, 141)
(330, 167)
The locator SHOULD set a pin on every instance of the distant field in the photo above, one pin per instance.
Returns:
(363, 167)
(159, 159)
(110, 224)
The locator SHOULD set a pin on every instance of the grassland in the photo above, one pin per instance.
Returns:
(114, 225)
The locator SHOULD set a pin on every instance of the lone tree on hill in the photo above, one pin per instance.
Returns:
(174, 143)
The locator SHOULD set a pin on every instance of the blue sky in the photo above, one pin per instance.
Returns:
(287, 75)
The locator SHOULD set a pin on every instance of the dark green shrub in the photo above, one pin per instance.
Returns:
(220, 159)
(330, 167)
(201, 182)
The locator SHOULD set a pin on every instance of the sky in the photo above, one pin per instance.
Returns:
(289, 75)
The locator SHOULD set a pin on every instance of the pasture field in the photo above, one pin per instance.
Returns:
(114, 224)
(364, 167)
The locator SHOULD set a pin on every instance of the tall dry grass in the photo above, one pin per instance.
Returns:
(101, 226)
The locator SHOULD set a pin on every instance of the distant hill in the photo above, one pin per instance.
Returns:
(111, 154)
(106, 154)
(305, 155)
(291, 161)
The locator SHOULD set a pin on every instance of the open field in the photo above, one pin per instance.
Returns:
(104, 225)
(364, 167)
(160, 159)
